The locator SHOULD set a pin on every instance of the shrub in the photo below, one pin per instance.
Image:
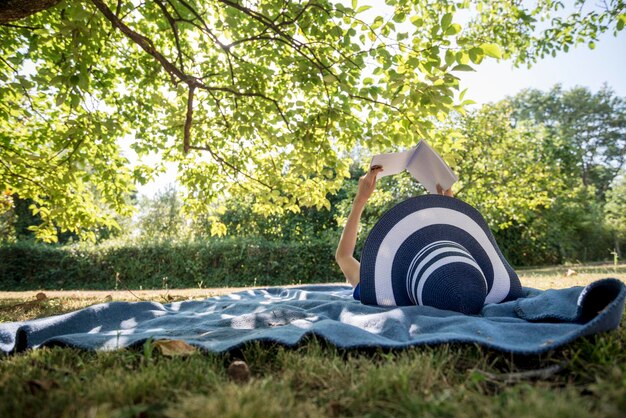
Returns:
(157, 265)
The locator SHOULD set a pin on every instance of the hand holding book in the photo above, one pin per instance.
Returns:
(424, 164)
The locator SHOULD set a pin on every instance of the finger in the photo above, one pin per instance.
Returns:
(439, 189)
(374, 171)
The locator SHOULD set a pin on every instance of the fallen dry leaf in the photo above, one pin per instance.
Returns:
(334, 408)
(239, 371)
(172, 348)
(45, 385)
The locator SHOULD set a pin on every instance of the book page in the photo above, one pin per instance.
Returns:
(429, 168)
(392, 163)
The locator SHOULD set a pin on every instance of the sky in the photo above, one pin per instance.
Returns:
(494, 80)
(581, 66)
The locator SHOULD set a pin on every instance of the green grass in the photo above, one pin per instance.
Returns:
(600, 268)
(313, 380)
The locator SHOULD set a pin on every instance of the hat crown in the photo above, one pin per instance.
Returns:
(446, 268)
(452, 241)
(432, 258)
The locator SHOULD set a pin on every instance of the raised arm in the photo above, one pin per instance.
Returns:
(345, 250)
(444, 192)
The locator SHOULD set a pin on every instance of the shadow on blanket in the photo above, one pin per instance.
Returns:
(536, 323)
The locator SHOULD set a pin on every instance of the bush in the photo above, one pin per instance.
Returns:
(157, 265)
(572, 229)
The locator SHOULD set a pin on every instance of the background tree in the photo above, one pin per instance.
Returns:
(588, 131)
(616, 212)
(161, 217)
(538, 166)
(7, 218)
(248, 98)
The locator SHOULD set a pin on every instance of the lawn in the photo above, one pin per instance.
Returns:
(586, 378)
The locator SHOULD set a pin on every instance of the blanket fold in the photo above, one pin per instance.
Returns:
(538, 322)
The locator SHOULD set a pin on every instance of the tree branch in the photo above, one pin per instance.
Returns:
(223, 162)
(176, 73)
(11, 10)
(145, 44)
(19, 176)
(188, 120)
(9, 25)
(174, 26)
(267, 22)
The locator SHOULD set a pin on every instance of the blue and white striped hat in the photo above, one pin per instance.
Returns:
(436, 251)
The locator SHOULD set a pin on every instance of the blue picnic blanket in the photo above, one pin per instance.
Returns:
(535, 323)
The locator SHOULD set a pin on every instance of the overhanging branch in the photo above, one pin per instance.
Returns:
(11, 10)
(145, 43)
(188, 120)
(226, 163)
(177, 74)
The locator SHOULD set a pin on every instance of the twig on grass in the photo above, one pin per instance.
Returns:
(119, 281)
(536, 374)
(39, 298)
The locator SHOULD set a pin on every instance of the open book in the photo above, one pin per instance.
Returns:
(422, 162)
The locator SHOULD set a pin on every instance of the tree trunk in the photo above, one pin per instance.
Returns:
(11, 10)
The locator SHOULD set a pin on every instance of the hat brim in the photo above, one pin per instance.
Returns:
(411, 225)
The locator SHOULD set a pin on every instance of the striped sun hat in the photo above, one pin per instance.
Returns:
(436, 251)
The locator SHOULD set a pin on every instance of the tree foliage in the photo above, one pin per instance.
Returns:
(249, 98)
(541, 166)
(161, 217)
(587, 130)
(506, 171)
(616, 209)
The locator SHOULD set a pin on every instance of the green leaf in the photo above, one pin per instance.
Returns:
(74, 100)
(462, 67)
(330, 78)
(399, 17)
(449, 58)
(462, 57)
(491, 50)
(417, 21)
(476, 55)
(378, 21)
(397, 100)
(446, 20)
(453, 29)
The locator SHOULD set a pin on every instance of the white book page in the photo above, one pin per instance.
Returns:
(392, 163)
(429, 168)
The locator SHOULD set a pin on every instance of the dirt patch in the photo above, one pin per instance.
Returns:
(133, 294)
(547, 278)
